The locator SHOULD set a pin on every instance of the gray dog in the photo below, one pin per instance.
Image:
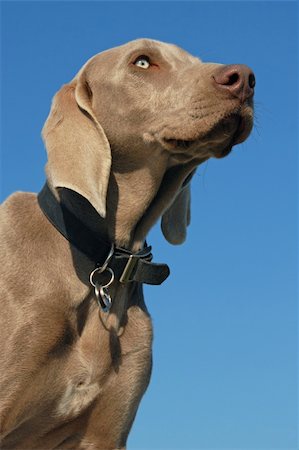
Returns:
(123, 140)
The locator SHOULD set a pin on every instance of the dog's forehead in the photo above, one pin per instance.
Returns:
(164, 48)
(168, 51)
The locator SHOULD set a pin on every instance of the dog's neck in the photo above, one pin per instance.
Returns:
(135, 201)
(129, 196)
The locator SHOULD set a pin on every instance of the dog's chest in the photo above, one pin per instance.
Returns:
(94, 378)
(107, 372)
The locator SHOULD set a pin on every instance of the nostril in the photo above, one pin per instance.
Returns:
(251, 80)
(232, 79)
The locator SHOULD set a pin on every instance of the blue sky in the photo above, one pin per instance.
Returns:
(225, 355)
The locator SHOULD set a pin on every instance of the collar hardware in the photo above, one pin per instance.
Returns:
(129, 267)
(101, 290)
(103, 298)
(122, 264)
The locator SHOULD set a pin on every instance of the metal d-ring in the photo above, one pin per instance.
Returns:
(107, 260)
(101, 270)
(103, 267)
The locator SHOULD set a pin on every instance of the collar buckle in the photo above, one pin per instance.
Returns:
(129, 267)
(133, 259)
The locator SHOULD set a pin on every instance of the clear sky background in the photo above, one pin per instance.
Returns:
(225, 355)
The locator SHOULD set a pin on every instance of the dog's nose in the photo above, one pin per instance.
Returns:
(237, 79)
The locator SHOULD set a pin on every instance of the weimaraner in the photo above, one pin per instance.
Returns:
(124, 138)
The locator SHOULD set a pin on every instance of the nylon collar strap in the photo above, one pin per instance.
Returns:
(126, 266)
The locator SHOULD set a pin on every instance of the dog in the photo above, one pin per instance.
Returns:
(124, 139)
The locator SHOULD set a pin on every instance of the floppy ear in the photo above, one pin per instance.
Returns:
(177, 217)
(79, 156)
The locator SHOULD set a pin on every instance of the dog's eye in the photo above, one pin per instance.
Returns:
(143, 62)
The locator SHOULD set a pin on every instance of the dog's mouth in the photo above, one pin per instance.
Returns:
(220, 139)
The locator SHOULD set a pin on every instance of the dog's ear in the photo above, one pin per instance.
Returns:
(79, 156)
(177, 217)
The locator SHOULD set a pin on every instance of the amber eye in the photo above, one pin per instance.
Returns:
(143, 62)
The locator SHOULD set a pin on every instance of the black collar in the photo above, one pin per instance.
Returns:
(126, 266)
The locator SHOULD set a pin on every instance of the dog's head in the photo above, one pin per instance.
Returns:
(146, 102)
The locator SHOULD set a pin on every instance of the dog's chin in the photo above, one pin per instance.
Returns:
(217, 142)
(241, 133)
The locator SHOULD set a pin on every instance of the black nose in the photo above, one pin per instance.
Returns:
(237, 79)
